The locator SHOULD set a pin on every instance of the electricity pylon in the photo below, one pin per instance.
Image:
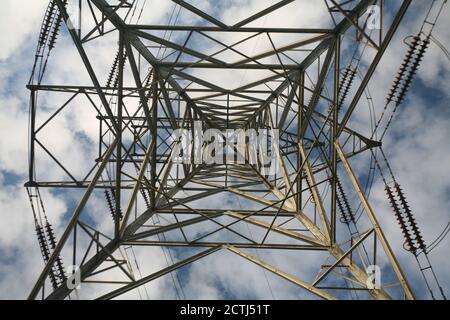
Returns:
(308, 88)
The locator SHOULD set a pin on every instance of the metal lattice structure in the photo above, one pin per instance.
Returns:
(307, 87)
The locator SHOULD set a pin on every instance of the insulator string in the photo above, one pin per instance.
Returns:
(414, 56)
(413, 239)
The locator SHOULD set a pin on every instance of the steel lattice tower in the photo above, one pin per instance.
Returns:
(308, 88)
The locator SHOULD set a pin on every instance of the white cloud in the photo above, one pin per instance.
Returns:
(18, 22)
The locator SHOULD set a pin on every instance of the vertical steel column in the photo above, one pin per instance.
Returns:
(333, 137)
(301, 102)
(154, 133)
(119, 137)
(32, 134)
(80, 18)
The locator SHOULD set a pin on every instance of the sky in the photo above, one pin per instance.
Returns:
(416, 145)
